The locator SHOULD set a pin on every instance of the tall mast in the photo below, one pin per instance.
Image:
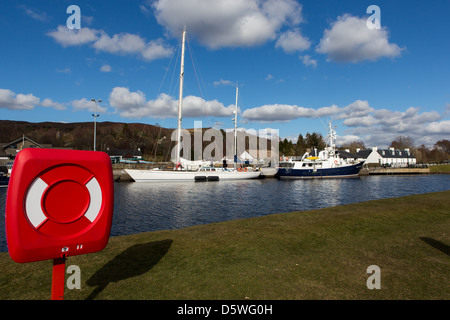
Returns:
(332, 137)
(235, 125)
(180, 97)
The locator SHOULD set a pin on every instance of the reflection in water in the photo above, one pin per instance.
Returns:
(141, 207)
(146, 206)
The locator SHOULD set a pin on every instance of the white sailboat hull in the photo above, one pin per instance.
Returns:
(162, 175)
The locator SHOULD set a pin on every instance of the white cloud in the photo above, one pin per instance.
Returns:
(106, 68)
(12, 101)
(307, 61)
(122, 43)
(225, 23)
(442, 128)
(377, 127)
(355, 110)
(285, 112)
(135, 105)
(346, 139)
(49, 103)
(350, 40)
(223, 82)
(156, 49)
(38, 16)
(292, 41)
(87, 105)
(66, 37)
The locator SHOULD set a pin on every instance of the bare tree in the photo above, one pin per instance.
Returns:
(402, 142)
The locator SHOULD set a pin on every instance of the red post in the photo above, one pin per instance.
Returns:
(58, 276)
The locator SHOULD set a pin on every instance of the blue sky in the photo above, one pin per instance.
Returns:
(298, 65)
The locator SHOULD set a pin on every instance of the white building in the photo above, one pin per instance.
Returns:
(387, 157)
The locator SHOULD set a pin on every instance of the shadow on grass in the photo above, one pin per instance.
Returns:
(134, 261)
(437, 245)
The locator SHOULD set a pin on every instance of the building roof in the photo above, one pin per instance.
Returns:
(7, 145)
(364, 153)
(386, 153)
(125, 153)
(346, 155)
(394, 153)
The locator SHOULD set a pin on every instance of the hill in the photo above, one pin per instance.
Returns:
(153, 141)
(79, 135)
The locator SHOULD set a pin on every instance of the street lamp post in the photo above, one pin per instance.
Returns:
(95, 115)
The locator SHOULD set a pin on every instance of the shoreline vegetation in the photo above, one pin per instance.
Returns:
(321, 254)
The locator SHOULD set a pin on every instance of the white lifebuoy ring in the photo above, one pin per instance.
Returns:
(34, 199)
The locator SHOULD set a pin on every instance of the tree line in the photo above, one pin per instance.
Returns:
(311, 140)
(439, 153)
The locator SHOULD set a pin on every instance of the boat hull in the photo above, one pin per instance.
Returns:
(351, 171)
(161, 175)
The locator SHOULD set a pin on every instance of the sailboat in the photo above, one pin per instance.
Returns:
(325, 164)
(204, 173)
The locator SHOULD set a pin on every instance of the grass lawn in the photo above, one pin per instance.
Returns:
(319, 254)
(440, 168)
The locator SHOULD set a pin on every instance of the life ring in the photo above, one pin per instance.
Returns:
(240, 169)
(336, 162)
(245, 169)
(42, 201)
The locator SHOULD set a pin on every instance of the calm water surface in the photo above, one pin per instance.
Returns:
(141, 207)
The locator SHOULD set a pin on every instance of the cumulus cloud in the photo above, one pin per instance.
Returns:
(223, 82)
(377, 127)
(307, 61)
(12, 101)
(346, 139)
(122, 43)
(350, 40)
(106, 68)
(292, 41)
(49, 103)
(442, 127)
(87, 105)
(285, 112)
(355, 110)
(224, 23)
(135, 105)
(66, 37)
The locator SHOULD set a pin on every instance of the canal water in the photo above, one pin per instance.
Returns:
(142, 207)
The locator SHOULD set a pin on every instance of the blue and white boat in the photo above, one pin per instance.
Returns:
(323, 164)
